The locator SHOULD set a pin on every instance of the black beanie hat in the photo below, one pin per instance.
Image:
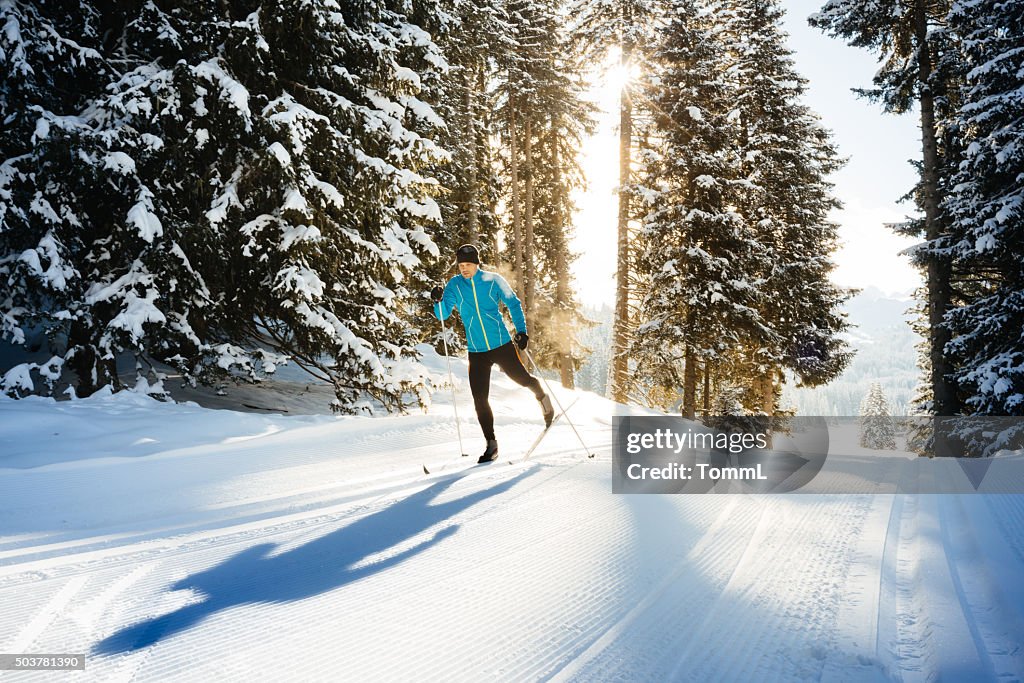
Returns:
(467, 253)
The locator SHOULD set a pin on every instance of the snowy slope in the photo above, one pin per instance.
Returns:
(172, 542)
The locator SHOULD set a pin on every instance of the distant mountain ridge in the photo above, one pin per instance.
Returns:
(884, 341)
(873, 309)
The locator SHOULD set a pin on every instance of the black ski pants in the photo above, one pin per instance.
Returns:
(507, 358)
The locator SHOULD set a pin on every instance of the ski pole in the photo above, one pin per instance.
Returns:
(451, 380)
(564, 413)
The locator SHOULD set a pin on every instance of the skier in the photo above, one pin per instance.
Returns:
(477, 294)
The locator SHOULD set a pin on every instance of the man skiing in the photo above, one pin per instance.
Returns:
(478, 293)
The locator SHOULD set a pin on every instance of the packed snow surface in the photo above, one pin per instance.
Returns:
(173, 542)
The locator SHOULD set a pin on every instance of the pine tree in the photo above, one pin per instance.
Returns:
(697, 255)
(908, 34)
(987, 205)
(877, 430)
(547, 119)
(629, 26)
(987, 202)
(238, 196)
(787, 158)
(75, 193)
(51, 62)
(472, 35)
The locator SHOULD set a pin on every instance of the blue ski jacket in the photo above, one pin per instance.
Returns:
(478, 299)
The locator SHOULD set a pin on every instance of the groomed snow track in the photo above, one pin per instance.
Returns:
(320, 553)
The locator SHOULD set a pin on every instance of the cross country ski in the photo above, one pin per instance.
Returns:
(540, 437)
(529, 451)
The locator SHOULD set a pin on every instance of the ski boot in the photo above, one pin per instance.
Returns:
(549, 411)
(490, 453)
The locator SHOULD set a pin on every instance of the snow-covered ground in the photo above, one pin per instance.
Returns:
(173, 542)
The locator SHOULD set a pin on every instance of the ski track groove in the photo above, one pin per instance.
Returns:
(888, 586)
(993, 622)
(780, 632)
(949, 614)
(44, 617)
(855, 652)
(656, 607)
(92, 610)
(910, 642)
(966, 593)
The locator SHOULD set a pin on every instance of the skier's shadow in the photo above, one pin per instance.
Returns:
(326, 563)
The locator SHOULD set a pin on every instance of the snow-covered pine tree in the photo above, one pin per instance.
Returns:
(919, 428)
(545, 119)
(50, 53)
(472, 35)
(629, 26)
(560, 118)
(728, 401)
(697, 258)
(877, 430)
(987, 205)
(787, 157)
(530, 25)
(242, 194)
(51, 63)
(910, 38)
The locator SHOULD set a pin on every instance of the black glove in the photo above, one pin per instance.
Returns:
(522, 340)
(437, 293)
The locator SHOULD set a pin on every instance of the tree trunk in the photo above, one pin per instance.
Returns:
(516, 211)
(689, 410)
(768, 393)
(473, 206)
(707, 388)
(485, 199)
(84, 361)
(562, 333)
(618, 375)
(528, 275)
(939, 269)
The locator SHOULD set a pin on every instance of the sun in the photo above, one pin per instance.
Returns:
(614, 75)
(595, 227)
